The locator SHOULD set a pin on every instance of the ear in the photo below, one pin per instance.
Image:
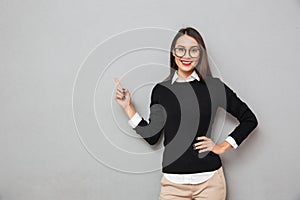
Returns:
(173, 53)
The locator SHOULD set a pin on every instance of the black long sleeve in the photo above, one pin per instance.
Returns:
(241, 111)
(152, 131)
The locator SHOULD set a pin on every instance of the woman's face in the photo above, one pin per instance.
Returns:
(186, 63)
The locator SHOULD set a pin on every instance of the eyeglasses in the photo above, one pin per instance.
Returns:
(194, 52)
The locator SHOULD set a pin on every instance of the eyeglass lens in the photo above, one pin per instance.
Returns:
(193, 51)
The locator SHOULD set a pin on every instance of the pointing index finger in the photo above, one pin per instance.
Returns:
(118, 82)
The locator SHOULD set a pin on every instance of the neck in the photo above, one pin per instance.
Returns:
(184, 74)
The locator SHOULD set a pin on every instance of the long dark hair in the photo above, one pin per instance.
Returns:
(202, 68)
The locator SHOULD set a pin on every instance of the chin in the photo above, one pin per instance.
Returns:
(186, 69)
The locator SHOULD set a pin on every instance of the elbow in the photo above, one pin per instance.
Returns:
(254, 121)
(153, 140)
(152, 143)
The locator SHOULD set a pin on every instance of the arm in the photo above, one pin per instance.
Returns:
(130, 110)
(149, 131)
(229, 101)
(240, 110)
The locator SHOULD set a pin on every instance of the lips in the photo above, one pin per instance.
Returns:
(186, 62)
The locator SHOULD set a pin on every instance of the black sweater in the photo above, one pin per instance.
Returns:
(183, 111)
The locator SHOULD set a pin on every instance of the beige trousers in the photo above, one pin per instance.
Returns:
(212, 189)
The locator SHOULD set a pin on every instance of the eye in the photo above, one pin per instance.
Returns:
(195, 49)
(181, 49)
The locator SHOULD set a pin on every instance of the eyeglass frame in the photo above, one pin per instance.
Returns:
(185, 50)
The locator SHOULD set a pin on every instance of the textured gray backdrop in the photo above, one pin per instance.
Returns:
(52, 62)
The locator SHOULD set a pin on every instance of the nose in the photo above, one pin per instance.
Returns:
(186, 55)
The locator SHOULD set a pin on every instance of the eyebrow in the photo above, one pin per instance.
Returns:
(190, 47)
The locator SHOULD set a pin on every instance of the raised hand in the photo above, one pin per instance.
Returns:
(122, 95)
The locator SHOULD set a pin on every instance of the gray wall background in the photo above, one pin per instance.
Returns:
(254, 44)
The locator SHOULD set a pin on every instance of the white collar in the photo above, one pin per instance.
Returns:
(191, 77)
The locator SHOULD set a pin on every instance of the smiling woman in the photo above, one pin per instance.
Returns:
(191, 40)
(186, 61)
(191, 165)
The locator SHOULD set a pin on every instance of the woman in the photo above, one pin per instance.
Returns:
(191, 165)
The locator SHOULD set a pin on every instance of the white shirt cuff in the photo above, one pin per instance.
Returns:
(135, 120)
(231, 141)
